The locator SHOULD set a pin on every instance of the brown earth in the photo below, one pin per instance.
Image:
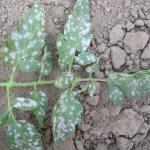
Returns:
(121, 31)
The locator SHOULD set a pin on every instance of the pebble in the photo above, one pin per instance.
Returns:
(133, 42)
(147, 23)
(101, 47)
(146, 53)
(93, 100)
(141, 14)
(118, 57)
(116, 34)
(129, 26)
(139, 23)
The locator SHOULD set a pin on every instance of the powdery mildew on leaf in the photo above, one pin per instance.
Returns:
(46, 63)
(76, 35)
(26, 42)
(85, 58)
(92, 89)
(132, 86)
(23, 136)
(65, 80)
(42, 100)
(66, 114)
(25, 104)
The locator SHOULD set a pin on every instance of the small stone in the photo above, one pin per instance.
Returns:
(116, 34)
(79, 145)
(129, 26)
(128, 123)
(145, 64)
(118, 57)
(101, 47)
(93, 100)
(139, 23)
(146, 53)
(134, 14)
(101, 146)
(141, 14)
(135, 41)
(67, 144)
(124, 143)
(99, 74)
(145, 109)
(147, 23)
(84, 127)
(127, 3)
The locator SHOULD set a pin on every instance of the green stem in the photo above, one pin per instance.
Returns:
(9, 104)
(13, 73)
(26, 84)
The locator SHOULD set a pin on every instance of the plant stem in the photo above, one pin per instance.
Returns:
(9, 104)
(26, 84)
(13, 73)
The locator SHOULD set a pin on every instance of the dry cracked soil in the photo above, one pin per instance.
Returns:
(121, 31)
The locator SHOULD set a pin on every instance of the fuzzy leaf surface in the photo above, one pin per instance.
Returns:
(23, 135)
(66, 114)
(85, 58)
(46, 64)
(42, 100)
(92, 89)
(131, 86)
(29, 65)
(25, 104)
(76, 34)
(64, 81)
(27, 40)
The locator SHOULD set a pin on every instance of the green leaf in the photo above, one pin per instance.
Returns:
(25, 104)
(76, 35)
(92, 89)
(29, 65)
(85, 58)
(5, 118)
(28, 39)
(115, 95)
(42, 100)
(66, 114)
(64, 81)
(131, 86)
(46, 64)
(23, 135)
(93, 68)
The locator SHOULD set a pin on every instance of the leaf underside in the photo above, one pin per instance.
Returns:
(66, 114)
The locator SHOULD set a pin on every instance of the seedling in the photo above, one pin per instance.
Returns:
(27, 51)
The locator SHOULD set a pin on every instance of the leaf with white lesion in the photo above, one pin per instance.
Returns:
(64, 80)
(42, 100)
(93, 68)
(132, 86)
(23, 135)
(46, 63)
(66, 114)
(85, 58)
(92, 87)
(25, 104)
(29, 65)
(27, 40)
(76, 34)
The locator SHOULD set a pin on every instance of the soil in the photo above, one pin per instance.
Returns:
(121, 31)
